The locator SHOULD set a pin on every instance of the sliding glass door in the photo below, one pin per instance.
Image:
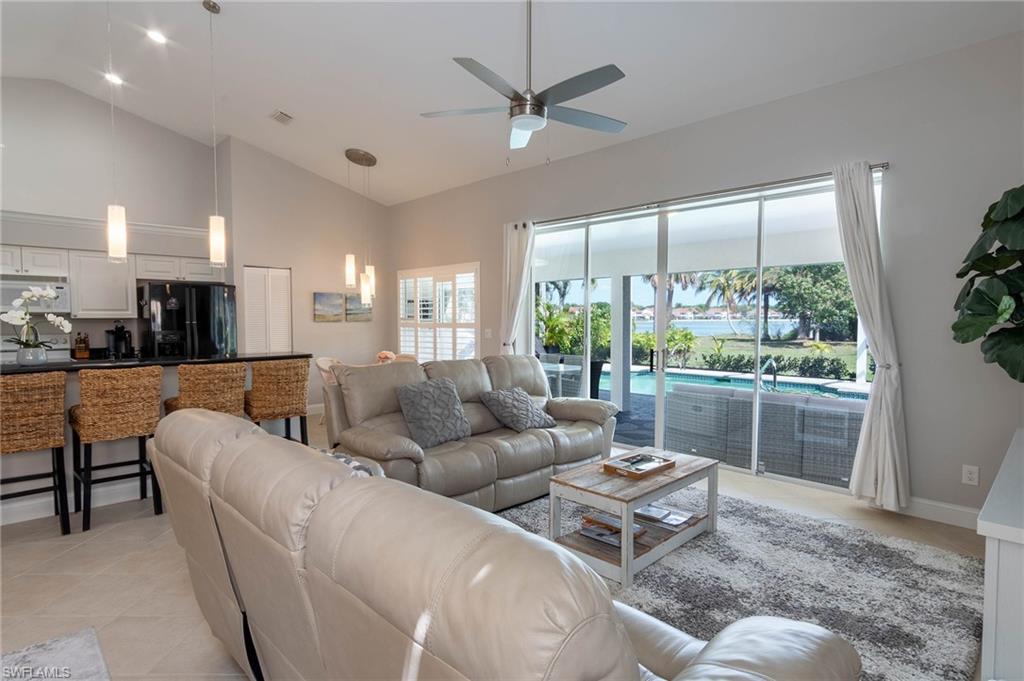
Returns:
(722, 327)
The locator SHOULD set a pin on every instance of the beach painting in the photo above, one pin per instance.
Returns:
(328, 307)
(355, 311)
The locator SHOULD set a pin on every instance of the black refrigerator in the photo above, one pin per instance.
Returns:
(187, 320)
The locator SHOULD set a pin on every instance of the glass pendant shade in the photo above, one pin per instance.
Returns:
(117, 234)
(371, 272)
(365, 295)
(350, 270)
(218, 242)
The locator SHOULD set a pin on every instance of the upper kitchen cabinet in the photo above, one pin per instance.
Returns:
(34, 261)
(173, 268)
(101, 289)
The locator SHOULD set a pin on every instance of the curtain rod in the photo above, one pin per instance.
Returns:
(693, 197)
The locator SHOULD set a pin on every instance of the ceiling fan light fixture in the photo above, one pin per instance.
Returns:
(529, 122)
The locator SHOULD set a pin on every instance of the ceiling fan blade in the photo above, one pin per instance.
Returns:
(577, 86)
(585, 119)
(465, 112)
(490, 77)
(518, 139)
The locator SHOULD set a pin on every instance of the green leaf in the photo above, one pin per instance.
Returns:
(964, 292)
(1009, 205)
(1009, 233)
(982, 246)
(1005, 347)
(1014, 280)
(987, 221)
(991, 263)
(1005, 309)
(971, 327)
(986, 298)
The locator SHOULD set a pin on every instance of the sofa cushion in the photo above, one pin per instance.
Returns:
(576, 440)
(457, 467)
(519, 453)
(516, 409)
(481, 420)
(433, 412)
(518, 371)
(469, 375)
(370, 391)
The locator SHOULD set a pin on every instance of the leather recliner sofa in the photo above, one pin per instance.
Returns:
(492, 469)
(348, 578)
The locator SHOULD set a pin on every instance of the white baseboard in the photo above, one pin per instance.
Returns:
(942, 512)
(41, 505)
(315, 409)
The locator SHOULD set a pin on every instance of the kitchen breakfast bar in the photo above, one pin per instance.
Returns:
(116, 410)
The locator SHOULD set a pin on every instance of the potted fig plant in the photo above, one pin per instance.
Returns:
(990, 305)
(31, 350)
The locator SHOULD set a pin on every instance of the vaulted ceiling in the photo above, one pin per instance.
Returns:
(359, 74)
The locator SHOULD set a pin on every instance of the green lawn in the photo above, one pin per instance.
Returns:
(736, 345)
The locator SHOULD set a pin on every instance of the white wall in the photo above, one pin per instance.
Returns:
(283, 216)
(950, 125)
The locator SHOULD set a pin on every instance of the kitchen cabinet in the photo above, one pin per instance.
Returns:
(34, 261)
(173, 268)
(101, 289)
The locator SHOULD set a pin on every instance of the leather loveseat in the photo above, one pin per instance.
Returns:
(492, 469)
(306, 571)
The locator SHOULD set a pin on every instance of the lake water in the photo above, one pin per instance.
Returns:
(720, 327)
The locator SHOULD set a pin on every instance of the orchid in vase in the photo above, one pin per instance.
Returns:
(32, 350)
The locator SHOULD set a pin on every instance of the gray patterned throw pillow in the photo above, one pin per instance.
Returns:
(516, 409)
(433, 412)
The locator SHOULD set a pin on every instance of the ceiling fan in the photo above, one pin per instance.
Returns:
(530, 111)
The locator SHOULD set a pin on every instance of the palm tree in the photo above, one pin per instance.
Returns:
(727, 286)
(769, 287)
(684, 280)
(560, 287)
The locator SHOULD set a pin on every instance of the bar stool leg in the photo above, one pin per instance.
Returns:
(288, 428)
(87, 488)
(76, 469)
(142, 468)
(158, 498)
(304, 430)
(60, 473)
(53, 480)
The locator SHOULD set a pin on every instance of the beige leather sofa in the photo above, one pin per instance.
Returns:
(494, 468)
(342, 577)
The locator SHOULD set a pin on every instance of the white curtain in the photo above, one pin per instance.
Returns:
(518, 248)
(880, 471)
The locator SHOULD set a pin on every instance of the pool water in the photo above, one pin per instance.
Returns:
(643, 383)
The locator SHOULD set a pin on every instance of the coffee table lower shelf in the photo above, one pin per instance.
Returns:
(648, 547)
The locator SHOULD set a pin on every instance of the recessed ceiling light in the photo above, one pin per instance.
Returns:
(157, 37)
(113, 78)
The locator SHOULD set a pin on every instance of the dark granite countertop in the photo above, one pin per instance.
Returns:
(79, 364)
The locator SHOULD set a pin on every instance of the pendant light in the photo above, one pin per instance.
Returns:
(218, 236)
(368, 278)
(117, 223)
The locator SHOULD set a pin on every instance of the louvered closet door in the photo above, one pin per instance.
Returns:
(268, 309)
(255, 280)
(279, 317)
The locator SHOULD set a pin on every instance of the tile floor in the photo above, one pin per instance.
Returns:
(127, 578)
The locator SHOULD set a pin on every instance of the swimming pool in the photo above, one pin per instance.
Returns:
(643, 383)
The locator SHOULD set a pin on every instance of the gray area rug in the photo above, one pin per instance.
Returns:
(76, 656)
(912, 611)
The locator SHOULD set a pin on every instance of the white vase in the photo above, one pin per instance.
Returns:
(31, 356)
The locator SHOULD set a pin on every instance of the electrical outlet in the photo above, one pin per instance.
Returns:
(487, 334)
(969, 475)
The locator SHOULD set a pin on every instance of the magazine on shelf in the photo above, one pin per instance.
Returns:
(652, 512)
(602, 534)
(612, 522)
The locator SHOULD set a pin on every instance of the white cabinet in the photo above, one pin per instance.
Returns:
(101, 289)
(200, 269)
(170, 267)
(157, 267)
(34, 261)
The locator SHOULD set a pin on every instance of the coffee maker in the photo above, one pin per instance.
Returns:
(119, 341)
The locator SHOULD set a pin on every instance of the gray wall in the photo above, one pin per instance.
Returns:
(950, 125)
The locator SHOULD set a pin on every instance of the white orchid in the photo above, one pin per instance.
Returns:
(19, 315)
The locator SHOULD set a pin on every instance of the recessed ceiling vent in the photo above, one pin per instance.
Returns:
(281, 117)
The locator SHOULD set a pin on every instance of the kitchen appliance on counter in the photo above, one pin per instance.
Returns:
(119, 342)
(12, 288)
(187, 320)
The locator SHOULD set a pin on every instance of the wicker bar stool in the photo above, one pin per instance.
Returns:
(217, 387)
(116, 404)
(280, 390)
(33, 418)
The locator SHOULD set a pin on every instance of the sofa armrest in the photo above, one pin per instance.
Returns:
(379, 445)
(661, 648)
(582, 409)
(774, 648)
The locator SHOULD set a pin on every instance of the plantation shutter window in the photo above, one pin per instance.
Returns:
(267, 293)
(438, 315)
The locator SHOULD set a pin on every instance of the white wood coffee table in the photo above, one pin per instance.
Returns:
(621, 496)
